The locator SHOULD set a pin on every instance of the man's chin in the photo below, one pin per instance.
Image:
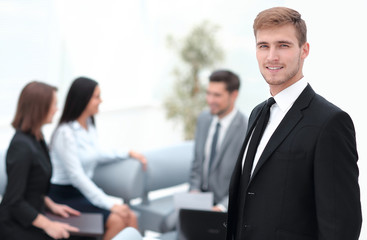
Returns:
(213, 112)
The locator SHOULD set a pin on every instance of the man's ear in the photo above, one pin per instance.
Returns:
(234, 95)
(305, 50)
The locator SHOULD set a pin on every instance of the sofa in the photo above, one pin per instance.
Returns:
(167, 167)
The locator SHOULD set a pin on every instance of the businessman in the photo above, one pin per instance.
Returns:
(296, 176)
(218, 139)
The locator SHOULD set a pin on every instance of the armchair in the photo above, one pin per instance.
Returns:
(167, 167)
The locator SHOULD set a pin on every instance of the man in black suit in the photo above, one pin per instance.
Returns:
(300, 182)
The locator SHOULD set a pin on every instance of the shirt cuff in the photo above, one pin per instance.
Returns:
(221, 207)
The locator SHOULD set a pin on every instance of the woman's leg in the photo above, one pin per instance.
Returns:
(132, 220)
(114, 225)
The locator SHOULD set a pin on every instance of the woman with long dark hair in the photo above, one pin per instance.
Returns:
(29, 171)
(76, 152)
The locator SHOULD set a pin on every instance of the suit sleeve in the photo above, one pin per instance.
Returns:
(337, 194)
(19, 163)
(196, 167)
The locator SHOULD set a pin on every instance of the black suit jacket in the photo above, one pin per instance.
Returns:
(29, 171)
(305, 185)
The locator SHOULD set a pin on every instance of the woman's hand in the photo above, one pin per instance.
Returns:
(122, 210)
(56, 230)
(60, 209)
(140, 157)
(64, 210)
(59, 230)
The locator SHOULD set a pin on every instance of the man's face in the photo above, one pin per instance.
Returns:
(220, 101)
(279, 56)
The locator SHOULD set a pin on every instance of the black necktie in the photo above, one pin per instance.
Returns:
(213, 149)
(255, 139)
(249, 159)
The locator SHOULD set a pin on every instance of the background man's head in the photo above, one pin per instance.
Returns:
(222, 92)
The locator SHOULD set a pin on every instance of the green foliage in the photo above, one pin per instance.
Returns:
(198, 51)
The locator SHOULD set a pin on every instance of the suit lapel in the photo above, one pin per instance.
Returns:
(235, 179)
(204, 134)
(235, 189)
(290, 120)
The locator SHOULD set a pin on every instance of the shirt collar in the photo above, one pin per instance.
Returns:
(226, 120)
(288, 96)
(76, 125)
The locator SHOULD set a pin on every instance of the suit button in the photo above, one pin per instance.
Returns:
(246, 226)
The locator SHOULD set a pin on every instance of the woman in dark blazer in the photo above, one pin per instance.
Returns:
(29, 171)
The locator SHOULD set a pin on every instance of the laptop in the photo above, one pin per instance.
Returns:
(201, 224)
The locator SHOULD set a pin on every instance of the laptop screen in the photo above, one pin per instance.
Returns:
(201, 224)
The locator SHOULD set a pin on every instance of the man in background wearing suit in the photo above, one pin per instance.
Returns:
(299, 181)
(218, 139)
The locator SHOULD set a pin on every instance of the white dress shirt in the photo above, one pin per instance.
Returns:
(283, 102)
(75, 153)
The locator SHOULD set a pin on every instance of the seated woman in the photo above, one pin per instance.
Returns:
(29, 170)
(75, 153)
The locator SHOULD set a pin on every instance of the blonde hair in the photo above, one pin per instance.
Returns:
(279, 16)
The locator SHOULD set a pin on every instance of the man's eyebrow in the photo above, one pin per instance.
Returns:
(261, 43)
(284, 41)
(280, 41)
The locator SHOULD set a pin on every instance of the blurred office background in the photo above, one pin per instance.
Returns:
(122, 45)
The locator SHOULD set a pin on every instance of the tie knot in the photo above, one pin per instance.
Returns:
(270, 102)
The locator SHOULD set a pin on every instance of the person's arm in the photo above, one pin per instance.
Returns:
(195, 175)
(337, 195)
(140, 157)
(19, 162)
(196, 166)
(65, 139)
(56, 230)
